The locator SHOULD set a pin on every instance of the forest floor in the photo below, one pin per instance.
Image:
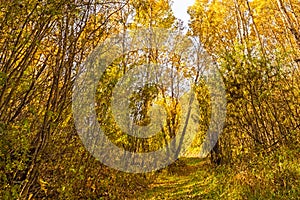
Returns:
(197, 179)
(194, 180)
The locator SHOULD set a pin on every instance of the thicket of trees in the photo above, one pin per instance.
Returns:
(257, 46)
(44, 43)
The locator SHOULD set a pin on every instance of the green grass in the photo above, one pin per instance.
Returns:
(198, 179)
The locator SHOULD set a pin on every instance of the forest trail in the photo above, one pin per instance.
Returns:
(194, 180)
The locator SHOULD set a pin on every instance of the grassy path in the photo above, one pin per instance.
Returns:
(193, 181)
(197, 179)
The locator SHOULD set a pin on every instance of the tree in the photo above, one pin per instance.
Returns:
(255, 46)
(42, 44)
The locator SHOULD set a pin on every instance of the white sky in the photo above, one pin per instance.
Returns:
(180, 9)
